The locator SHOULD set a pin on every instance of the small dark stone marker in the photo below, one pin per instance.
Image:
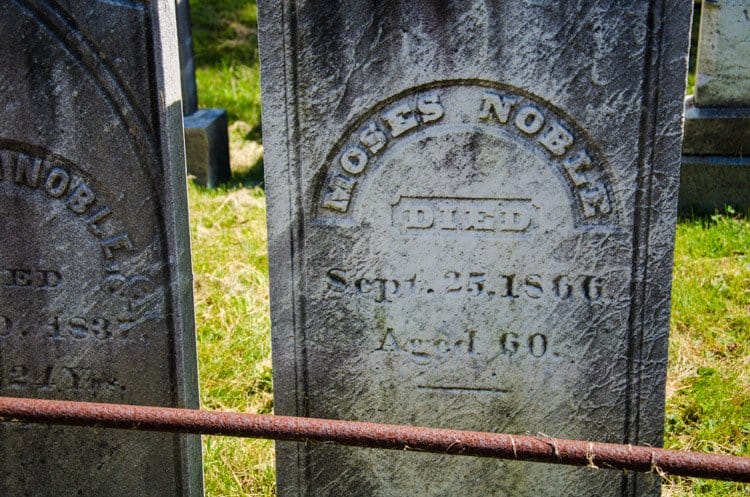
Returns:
(206, 132)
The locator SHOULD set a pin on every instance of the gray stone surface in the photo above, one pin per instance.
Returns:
(206, 133)
(187, 59)
(717, 118)
(716, 130)
(471, 212)
(723, 66)
(710, 183)
(95, 277)
(207, 146)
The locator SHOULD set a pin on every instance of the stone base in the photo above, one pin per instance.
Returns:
(708, 184)
(207, 146)
(716, 130)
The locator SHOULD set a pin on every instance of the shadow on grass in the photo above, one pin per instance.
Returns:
(251, 177)
(248, 178)
(225, 31)
(255, 134)
(708, 217)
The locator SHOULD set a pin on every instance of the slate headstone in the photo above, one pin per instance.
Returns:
(95, 276)
(471, 207)
(187, 57)
(207, 146)
(206, 131)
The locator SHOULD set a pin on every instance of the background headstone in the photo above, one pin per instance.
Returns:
(715, 170)
(187, 59)
(723, 68)
(95, 276)
(207, 146)
(471, 212)
(206, 132)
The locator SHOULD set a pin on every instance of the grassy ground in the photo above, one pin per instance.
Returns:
(708, 405)
(708, 393)
(227, 74)
(226, 58)
(234, 352)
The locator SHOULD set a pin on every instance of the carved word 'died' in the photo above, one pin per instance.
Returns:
(481, 216)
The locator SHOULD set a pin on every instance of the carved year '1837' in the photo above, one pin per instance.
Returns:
(50, 192)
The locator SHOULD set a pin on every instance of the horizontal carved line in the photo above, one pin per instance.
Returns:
(446, 388)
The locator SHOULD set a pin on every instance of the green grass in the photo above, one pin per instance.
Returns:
(226, 59)
(708, 404)
(228, 233)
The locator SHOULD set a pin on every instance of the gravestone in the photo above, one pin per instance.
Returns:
(722, 76)
(187, 59)
(206, 132)
(207, 146)
(471, 211)
(95, 276)
(715, 169)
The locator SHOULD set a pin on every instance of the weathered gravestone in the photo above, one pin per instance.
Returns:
(471, 209)
(95, 277)
(723, 74)
(206, 133)
(715, 166)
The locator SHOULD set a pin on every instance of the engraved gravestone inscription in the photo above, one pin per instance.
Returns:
(471, 208)
(95, 278)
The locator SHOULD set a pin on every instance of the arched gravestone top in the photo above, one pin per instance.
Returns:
(446, 111)
(95, 278)
(471, 213)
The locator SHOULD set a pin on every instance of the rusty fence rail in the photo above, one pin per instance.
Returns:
(384, 436)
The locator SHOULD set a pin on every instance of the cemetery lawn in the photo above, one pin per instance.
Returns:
(225, 39)
(708, 388)
(708, 385)
(228, 231)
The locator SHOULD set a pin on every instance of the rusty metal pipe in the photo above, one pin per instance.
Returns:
(376, 435)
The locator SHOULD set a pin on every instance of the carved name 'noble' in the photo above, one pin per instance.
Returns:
(542, 128)
(135, 296)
